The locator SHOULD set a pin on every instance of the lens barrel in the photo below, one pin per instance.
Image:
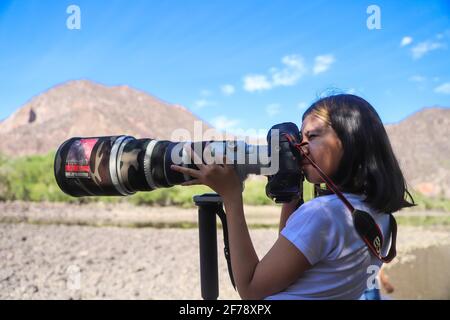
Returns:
(123, 165)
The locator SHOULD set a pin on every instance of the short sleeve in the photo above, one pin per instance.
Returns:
(311, 229)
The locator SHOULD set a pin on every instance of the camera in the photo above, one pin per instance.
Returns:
(123, 165)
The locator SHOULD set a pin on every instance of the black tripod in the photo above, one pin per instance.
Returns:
(210, 205)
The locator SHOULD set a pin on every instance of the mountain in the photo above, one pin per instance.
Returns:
(84, 108)
(422, 145)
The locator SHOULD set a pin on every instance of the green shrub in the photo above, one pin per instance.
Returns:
(32, 179)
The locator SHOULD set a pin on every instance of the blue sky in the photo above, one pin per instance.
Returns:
(236, 64)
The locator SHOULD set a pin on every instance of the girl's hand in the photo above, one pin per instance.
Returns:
(221, 178)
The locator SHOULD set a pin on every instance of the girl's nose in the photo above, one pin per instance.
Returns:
(305, 147)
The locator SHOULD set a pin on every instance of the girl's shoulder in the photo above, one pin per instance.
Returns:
(332, 200)
(331, 206)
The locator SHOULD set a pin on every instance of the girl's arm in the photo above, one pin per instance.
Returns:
(286, 210)
(255, 279)
(243, 255)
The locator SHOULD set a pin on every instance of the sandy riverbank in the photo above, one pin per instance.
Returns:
(68, 261)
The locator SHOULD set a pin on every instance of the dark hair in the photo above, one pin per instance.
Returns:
(368, 165)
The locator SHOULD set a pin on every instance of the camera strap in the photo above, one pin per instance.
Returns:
(226, 248)
(365, 225)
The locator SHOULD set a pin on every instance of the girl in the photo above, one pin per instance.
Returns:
(318, 254)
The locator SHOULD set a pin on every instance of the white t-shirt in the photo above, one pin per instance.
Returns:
(322, 229)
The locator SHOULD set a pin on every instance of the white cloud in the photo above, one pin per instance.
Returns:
(417, 78)
(323, 63)
(273, 109)
(256, 83)
(351, 91)
(223, 123)
(292, 72)
(443, 88)
(293, 61)
(424, 47)
(406, 41)
(202, 103)
(228, 89)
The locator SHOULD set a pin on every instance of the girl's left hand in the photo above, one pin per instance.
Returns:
(221, 178)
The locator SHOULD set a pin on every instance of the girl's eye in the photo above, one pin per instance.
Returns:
(312, 135)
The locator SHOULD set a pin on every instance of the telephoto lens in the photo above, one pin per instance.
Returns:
(123, 165)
